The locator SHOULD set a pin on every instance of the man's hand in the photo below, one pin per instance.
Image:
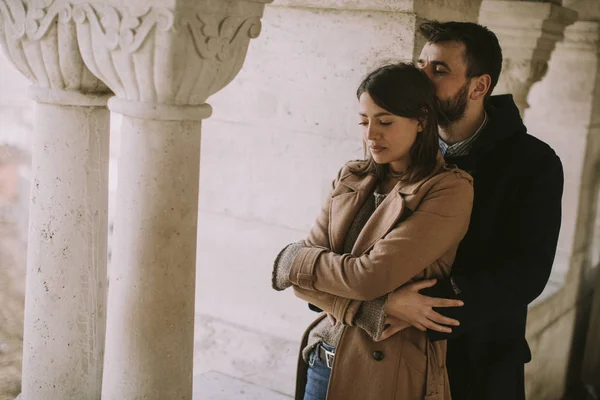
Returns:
(392, 326)
(407, 304)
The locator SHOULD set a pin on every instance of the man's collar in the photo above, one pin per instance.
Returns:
(463, 147)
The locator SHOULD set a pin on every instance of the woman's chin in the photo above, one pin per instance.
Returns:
(379, 160)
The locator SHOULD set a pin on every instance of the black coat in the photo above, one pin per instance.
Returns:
(505, 259)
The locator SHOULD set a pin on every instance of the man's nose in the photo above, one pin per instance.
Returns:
(428, 71)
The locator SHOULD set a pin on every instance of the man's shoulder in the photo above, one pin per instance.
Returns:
(530, 148)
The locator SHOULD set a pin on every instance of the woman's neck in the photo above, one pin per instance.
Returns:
(384, 187)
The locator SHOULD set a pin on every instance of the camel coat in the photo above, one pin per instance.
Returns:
(413, 235)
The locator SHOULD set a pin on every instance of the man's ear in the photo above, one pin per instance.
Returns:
(480, 86)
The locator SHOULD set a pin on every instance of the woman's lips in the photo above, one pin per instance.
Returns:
(377, 149)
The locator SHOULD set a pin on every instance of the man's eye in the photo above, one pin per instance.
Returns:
(385, 123)
(440, 72)
(363, 123)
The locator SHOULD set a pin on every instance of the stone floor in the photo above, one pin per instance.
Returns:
(216, 386)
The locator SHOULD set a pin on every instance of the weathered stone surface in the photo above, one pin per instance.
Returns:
(564, 113)
(216, 386)
(527, 32)
(263, 358)
(546, 374)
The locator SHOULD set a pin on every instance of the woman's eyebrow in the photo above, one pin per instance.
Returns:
(381, 114)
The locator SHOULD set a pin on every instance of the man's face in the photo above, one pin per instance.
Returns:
(445, 65)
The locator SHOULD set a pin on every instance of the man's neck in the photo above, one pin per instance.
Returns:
(465, 127)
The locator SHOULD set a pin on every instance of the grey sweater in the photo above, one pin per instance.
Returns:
(371, 314)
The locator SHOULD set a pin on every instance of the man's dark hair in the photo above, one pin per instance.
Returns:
(483, 54)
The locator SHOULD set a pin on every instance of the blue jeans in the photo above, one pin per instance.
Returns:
(317, 378)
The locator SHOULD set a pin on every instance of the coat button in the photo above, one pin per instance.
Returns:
(378, 356)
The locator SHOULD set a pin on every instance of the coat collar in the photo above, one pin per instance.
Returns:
(351, 194)
(367, 183)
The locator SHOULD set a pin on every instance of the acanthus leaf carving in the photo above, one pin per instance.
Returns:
(39, 19)
(13, 16)
(214, 40)
(126, 31)
(33, 20)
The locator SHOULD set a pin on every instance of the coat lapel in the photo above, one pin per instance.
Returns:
(380, 223)
(347, 199)
(389, 212)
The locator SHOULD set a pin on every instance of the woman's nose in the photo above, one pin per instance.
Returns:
(371, 132)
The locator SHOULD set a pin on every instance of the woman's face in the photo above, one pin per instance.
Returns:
(388, 137)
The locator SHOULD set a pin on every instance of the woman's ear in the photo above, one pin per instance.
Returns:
(421, 125)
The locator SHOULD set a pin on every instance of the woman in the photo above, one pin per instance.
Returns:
(396, 217)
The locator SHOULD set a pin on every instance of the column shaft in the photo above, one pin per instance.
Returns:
(150, 335)
(66, 259)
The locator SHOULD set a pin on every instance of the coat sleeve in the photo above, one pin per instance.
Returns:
(518, 273)
(342, 309)
(319, 233)
(439, 223)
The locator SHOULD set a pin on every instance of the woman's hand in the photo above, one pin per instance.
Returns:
(392, 326)
(407, 304)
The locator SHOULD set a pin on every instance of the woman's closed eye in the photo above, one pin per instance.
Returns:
(383, 123)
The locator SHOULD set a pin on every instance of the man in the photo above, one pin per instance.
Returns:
(504, 262)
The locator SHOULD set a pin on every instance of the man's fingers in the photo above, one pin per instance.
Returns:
(435, 327)
(390, 331)
(391, 320)
(439, 302)
(422, 284)
(419, 327)
(440, 319)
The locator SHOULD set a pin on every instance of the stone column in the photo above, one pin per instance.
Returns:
(528, 32)
(66, 259)
(162, 62)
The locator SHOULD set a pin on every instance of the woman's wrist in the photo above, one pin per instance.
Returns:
(280, 279)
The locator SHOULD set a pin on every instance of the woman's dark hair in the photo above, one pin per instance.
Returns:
(483, 54)
(403, 90)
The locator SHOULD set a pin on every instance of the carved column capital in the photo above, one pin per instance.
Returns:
(39, 38)
(164, 62)
(528, 32)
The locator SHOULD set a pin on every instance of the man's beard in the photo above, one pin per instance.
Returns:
(453, 109)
